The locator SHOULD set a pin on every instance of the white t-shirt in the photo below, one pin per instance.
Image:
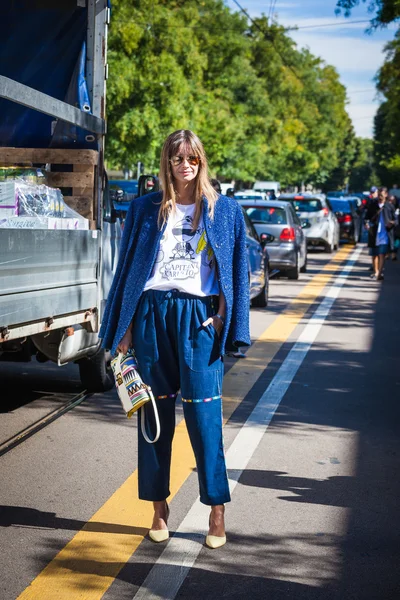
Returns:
(185, 261)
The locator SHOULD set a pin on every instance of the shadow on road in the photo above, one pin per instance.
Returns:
(359, 392)
(21, 516)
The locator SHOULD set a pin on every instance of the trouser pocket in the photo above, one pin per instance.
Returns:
(204, 347)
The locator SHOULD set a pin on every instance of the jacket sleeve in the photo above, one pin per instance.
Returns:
(108, 324)
(240, 328)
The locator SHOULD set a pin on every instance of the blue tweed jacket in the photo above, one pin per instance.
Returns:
(139, 247)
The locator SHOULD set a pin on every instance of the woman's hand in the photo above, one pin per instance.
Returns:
(216, 322)
(125, 343)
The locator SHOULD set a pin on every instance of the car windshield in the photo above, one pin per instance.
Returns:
(272, 215)
(306, 204)
(339, 205)
(127, 185)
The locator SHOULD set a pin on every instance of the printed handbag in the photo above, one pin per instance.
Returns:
(132, 391)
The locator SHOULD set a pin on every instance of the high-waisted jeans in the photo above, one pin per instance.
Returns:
(175, 352)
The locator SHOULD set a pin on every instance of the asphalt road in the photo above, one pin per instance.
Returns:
(312, 443)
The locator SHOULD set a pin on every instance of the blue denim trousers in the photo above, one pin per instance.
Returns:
(175, 352)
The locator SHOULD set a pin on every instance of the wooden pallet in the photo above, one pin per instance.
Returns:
(80, 179)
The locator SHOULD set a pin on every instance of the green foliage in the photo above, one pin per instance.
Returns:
(385, 11)
(387, 120)
(262, 107)
(363, 174)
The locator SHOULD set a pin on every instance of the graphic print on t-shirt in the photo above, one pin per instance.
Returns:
(185, 260)
(183, 232)
(189, 243)
(181, 264)
(207, 255)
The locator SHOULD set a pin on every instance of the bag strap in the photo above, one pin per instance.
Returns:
(143, 419)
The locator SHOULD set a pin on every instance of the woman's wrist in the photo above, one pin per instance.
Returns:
(221, 318)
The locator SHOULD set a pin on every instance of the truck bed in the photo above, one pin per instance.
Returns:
(46, 273)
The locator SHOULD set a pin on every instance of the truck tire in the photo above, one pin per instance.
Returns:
(95, 372)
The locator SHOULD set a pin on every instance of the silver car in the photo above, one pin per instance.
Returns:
(279, 228)
(318, 221)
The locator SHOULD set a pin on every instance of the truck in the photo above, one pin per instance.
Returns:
(267, 186)
(54, 282)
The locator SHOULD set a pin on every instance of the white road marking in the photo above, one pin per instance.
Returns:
(173, 565)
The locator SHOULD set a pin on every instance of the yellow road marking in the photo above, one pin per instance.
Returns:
(87, 566)
(244, 374)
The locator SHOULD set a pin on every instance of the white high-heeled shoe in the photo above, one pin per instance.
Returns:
(160, 535)
(215, 541)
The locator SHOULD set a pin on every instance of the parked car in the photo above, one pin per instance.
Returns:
(128, 186)
(250, 195)
(336, 194)
(279, 228)
(349, 217)
(258, 265)
(363, 197)
(318, 220)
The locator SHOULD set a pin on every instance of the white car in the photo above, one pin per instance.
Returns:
(318, 221)
(250, 195)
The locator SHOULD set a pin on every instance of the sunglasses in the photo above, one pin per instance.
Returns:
(178, 160)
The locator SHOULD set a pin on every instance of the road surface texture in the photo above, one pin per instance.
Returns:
(312, 443)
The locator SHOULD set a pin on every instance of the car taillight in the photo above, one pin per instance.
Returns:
(325, 211)
(287, 235)
(345, 219)
(364, 201)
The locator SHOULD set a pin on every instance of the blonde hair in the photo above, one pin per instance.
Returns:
(203, 185)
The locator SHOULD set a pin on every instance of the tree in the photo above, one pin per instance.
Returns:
(263, 108)
(363, 174)
(386, 11)
(387, 120)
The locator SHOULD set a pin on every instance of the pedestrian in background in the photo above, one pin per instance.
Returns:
(180, 296)
(373, 194)
(395, 191)
(380, 224)
(394, 238)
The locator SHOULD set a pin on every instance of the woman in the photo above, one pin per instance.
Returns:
(380, 223)
(180, 297)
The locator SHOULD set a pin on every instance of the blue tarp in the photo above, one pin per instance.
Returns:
(44, 47)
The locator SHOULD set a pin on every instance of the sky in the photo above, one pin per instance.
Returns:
(356, 54)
